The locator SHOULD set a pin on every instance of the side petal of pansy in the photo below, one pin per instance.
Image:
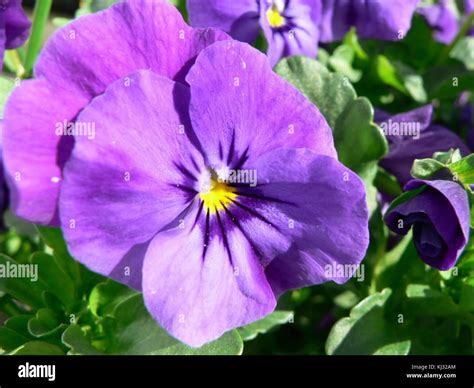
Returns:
(130, 180)
(321, 205)
(241, 109)
(79, 62)
(35, 147)
(385, 20)
(440, 218)
(238, 18)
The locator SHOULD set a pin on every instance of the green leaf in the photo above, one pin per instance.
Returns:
(463, 170)
(138, 333)
(10, 339)
(366, 330)
(464, 52)
(40, 19)
(107, 295)
(425, 168)
(252, 330)
(341, 61)
(330, 92)
(38, 348)
(74, 338)
(388, 73)
(54, 279)
(358, 140)
(467, 295)
(21, 288)
(53, 238)
(45, 323)
(427, 301)
(6, 87)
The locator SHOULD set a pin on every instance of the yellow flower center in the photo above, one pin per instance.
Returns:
(275, 18)
(218, 196)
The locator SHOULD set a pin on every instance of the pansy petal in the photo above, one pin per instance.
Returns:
(238, 18)
(195, 289)
(17, 25)
(386, 20)
(123, 39)
(127, 37)
(445, 205)
(239, 107)
(402, 154)
(126, 184)
(32, 154)
(316, 204)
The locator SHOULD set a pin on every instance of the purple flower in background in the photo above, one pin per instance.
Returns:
(411, 135)
(373, 19)
(14, 25)
(78, 63)
(294, 27)
(439, 216)
(444, 21)
(290, 26)
(215, 195)
(441, 18)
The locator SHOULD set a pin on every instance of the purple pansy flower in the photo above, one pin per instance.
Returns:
(78, 63)
(440, 218)
(294, 27)
(155, 199)
(373, 19)
(445, 23)
(441, 18)
(411, 135)
(14, 25)
(290, 26)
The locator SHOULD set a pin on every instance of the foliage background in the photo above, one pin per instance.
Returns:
(401, 307)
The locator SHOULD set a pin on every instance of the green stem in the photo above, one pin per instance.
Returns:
(461, 34)
(9, 307)
(40, 18)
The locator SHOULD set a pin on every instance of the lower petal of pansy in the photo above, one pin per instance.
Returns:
(127, 182)
(317, 205)
(199, 282)
(34, 150)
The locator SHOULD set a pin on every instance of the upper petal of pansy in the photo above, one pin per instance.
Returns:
(307, 217)
(17, 24)
(386, 20)
(79, 61)
(33, 152)
(241, 109)
(300, 34)
(133, 178)
(200, 281)
(95, 50)
(238, 18)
